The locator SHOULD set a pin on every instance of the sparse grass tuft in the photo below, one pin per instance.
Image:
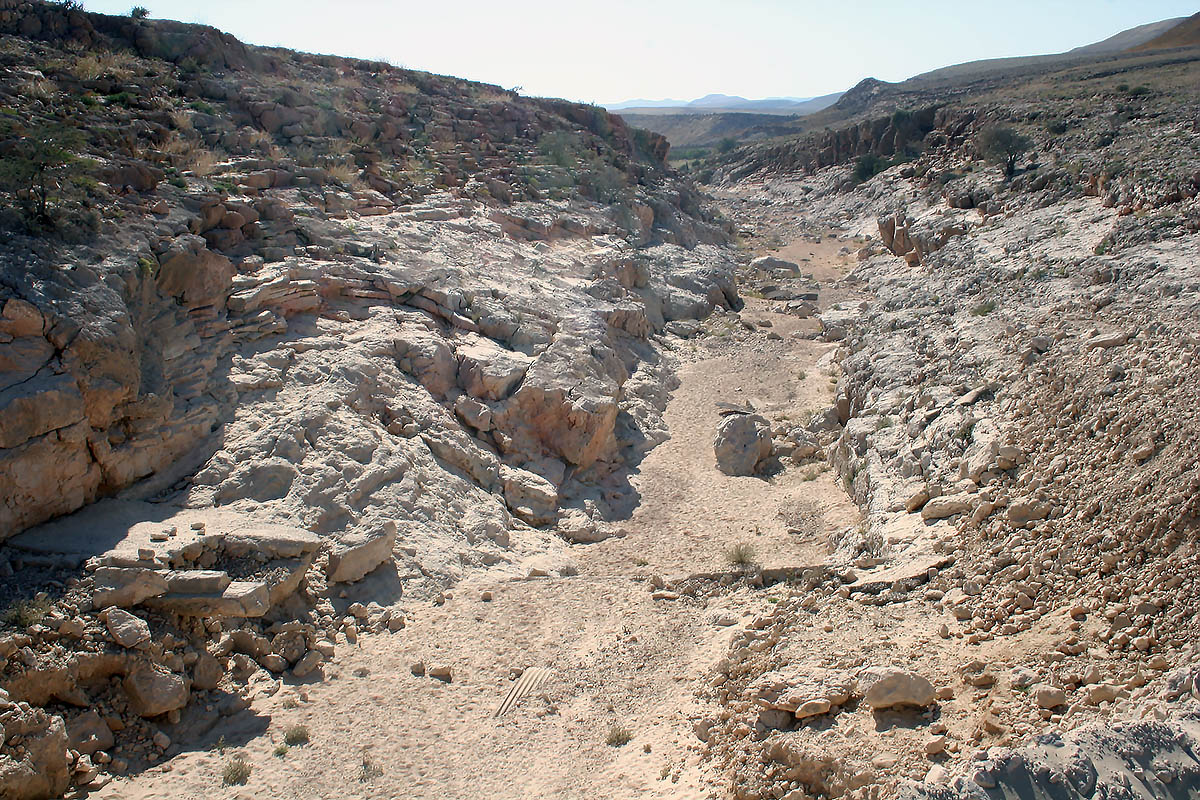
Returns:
(280, 750)
(618, 736)
(369, 770)
(237, 772)
(296, 735)
(740, 555)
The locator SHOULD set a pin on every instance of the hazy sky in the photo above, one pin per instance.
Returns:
(613, 50)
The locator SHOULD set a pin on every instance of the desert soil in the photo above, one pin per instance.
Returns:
(618, 657)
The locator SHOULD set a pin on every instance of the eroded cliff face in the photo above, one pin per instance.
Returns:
(337, 294)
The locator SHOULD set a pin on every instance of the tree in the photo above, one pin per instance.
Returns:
(36, 170)
(139, 12)
(1002, 145)
(727, 144)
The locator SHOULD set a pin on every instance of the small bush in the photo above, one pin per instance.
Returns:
(24, 613)
(296, 735)
(280, 750)
(139, 12)
(618, 736)
(1002, 145)
(726, 144)
(740, 555)
(984, 308)
(237, 772)
(868, 167)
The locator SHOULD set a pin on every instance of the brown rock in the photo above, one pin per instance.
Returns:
(154, 690)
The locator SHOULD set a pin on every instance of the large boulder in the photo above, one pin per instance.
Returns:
(126, 629)
(892, 687)
(154, 690)
(126, 586)
(88, 733)
(351, 562)
(743, 442)
(195, 275)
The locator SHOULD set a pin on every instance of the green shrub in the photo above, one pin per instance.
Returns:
(984, 308)
(24, 613)
(42, 171)
(868, 166)
(1001, 145)
(139, 12)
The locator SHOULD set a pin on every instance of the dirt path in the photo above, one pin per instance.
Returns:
(617, 657)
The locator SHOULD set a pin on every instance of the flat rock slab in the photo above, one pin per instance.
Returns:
(118, 529)
(240, 599)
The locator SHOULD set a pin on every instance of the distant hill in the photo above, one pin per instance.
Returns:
(1125, 40)
(706, 121)
(724, 103)
(1185, 34)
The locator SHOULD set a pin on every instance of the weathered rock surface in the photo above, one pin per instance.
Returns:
(38, 770)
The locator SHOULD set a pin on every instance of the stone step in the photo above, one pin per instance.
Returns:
(239, 599)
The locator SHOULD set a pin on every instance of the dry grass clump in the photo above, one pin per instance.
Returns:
(296, 735)
(618, 736)
(104, 64)
(237, 772)
(344, 174)
(741, 554)
(24, 613)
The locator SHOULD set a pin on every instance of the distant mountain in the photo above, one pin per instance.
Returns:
(1185, 34)
(639, 103)
(724, 103)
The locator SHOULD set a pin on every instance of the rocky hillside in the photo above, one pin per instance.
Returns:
(289, 318)
(489, 267)
(1015, 415)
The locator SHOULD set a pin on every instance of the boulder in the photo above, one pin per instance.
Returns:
(155, 690)
(351, 562)
(743, 442)
(530, 496)
(1047, 696)
(207, 672)
(947, 506)
(239, 599)
(197, 581)
(196, 275)
(126, 629)
(487, 371)
(308, 664)
(771, 263)
(891, 687)
(126, 586)
(88, 733)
